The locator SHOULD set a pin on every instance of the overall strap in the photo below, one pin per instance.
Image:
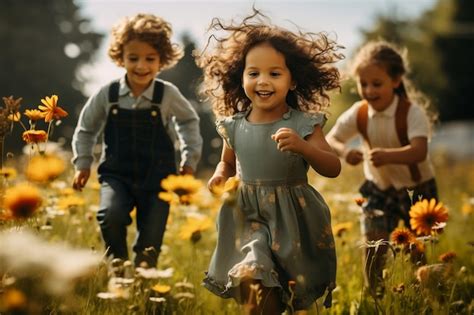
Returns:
(114, 88)
(401, 126)
(158, 90)
(362, 119)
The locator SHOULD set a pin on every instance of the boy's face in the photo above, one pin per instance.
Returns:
(376, 86)
(142, 63)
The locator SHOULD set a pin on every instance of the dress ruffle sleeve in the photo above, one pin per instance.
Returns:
(226, 126)
(307, 122)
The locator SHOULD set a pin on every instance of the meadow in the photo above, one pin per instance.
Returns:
(52, 256)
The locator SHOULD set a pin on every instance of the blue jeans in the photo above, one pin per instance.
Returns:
(117, 200)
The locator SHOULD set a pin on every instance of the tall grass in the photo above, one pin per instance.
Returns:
(176, 287)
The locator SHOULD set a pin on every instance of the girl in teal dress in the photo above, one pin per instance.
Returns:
(275, 247)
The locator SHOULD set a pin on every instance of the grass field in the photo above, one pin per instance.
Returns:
(38, 275)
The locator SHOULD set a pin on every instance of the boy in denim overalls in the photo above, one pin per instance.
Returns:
(141, 118)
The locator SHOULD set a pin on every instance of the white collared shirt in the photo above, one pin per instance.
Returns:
(382, 133)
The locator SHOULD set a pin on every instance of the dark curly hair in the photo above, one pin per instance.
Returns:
(147, 28)
(308, 57)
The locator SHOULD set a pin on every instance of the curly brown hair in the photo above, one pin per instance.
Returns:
(147, 28)
(308, 57)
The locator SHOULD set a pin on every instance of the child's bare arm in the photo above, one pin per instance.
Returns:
(224, 169)
(314, 149)
(352, 156)
(414, 152)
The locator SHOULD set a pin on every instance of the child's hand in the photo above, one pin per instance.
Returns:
(80, 179)
(378, 157)
(215, 181)
(288, 140)
(354, 157)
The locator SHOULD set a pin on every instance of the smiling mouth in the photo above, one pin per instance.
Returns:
(264, 93)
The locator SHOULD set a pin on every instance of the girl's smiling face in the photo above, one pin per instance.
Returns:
(266, 80)
(376, 86)
(142, 63)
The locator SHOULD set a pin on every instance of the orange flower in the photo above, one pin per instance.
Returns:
(22, 200)
(35, 136)
(34, 114)
(402, 236)
(51, 110)
(447, 257)
(360, 201)
(424, 215)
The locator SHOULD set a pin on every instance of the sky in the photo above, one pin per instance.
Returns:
(343, 19)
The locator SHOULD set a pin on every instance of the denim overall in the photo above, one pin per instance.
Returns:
(138, 154)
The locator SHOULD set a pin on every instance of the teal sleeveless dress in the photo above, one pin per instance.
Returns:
(278, 228)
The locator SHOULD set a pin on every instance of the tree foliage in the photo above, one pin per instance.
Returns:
(43, 45)
(186, 75)
(438, 45)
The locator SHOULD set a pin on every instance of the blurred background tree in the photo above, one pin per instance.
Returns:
(186, 75)
(439, 45)
(44, 43)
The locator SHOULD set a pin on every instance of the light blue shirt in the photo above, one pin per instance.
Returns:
(179, 119)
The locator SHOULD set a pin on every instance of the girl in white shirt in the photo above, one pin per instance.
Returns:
(395, 135)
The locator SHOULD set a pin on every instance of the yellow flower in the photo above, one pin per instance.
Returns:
(44, 168)
(13, 301)
(161, 288)
(180, 188)
(34, 114)
(467, 207)
(230, 186)
(51, 110)
(425, 215)
(8, 172)
(22, 200)
(402, 236)
(15, 116)
(35, 136)
(193, 228)
(70, 202)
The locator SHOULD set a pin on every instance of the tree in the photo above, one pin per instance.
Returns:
(438, 44)
(454, 41)
(43, 45)
(186, 75)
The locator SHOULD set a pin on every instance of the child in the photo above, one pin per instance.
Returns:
(141, 117)
(395, 133)
(276, 241)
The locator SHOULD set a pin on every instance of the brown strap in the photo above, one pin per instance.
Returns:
(362, 119)
(401, 127)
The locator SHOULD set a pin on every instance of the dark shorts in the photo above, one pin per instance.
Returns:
(383, 209)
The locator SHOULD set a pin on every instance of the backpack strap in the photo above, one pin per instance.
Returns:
(401, 126)
(362, 119)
